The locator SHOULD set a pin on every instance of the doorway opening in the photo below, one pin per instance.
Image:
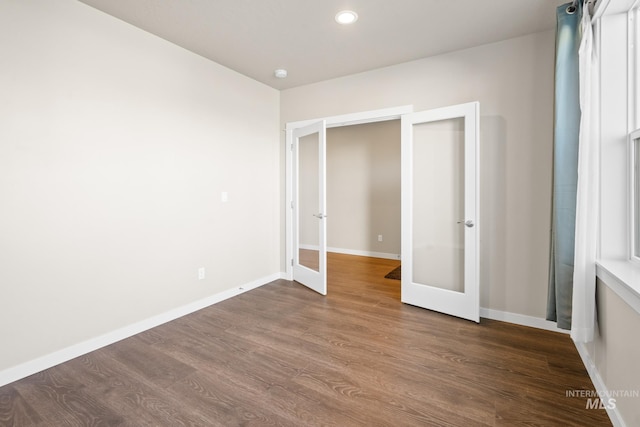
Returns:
(313, 133)
(438, 202)
(363, 190)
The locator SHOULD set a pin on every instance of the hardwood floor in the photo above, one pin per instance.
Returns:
(284, 355)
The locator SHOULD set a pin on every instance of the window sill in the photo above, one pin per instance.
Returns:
(623, 277)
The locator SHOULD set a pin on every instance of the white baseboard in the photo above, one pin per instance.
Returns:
(601, 388)
(521, 319)
(309, 247)
(536, 322)
(45, 362)
(364, 253)
(383, 255)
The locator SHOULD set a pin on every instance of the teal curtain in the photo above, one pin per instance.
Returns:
(565, 167)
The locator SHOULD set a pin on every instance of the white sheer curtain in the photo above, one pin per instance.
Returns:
(583, 315)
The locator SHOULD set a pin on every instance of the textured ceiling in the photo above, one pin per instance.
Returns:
(254, 37)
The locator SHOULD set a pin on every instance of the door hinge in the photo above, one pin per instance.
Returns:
(292, 204)
(291, 147)
(291, 262)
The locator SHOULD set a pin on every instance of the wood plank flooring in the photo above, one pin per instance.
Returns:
(284, 355)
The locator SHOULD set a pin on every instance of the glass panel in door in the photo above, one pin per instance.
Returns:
(308, 200)
(438, 204)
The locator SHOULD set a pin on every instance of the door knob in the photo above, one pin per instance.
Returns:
(469, 223)
(320, 215)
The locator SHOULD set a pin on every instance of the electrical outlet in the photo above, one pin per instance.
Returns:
(201, 273)
(379, 237)
(224, 197)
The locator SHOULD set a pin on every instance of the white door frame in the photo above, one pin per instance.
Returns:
(393, 113)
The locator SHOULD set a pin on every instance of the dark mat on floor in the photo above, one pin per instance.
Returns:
(395, 274)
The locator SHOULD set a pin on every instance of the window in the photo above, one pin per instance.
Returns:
(618, 45)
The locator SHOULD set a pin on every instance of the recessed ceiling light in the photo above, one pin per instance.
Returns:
(346, 17)
(280, 73)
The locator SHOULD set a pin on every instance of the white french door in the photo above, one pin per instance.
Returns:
(440, 248)
(309, 206)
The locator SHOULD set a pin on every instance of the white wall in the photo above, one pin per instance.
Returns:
(615, 351)
(363, 188)
(115, 146)
(513, 80)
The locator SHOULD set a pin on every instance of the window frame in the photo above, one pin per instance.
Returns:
(634, 195)
(633, 112)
